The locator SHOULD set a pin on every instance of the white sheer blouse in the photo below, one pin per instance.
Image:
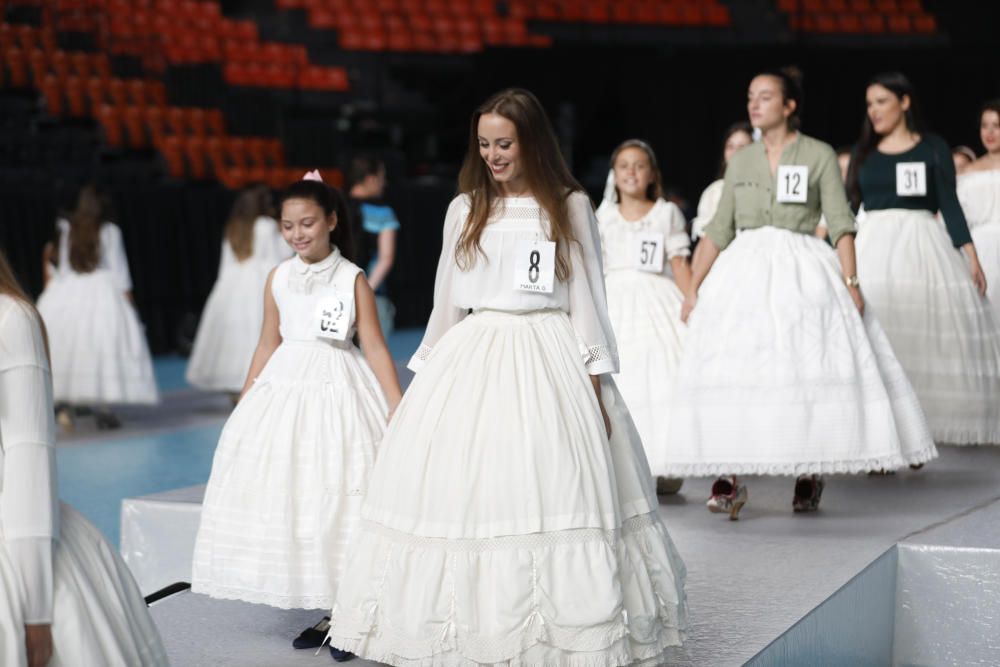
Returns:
(488, 283)
(28, 505)
(708, 204)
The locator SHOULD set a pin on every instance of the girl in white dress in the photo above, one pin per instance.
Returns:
(230, 323)
(99, 352)
(738, 135)
(292, 465)
(66, 597)
(788, 375)
(502, 527)
(646, 272)
(979, 194)
(923, 279)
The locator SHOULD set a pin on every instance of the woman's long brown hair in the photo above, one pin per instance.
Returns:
(85, 231)
(250, 204)
(10, 287)
(545, 171)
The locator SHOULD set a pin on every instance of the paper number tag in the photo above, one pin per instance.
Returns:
(793, 184)
(333, 316)
(911, 179)
(535, 266)
(648, 248)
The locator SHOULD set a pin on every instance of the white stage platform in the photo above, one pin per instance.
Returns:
(749, 581)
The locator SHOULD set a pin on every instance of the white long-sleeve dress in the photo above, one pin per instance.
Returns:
(502, 527)
(55, 567)
(98, 346)
(979, 194)
(230, 322)
(644, 305)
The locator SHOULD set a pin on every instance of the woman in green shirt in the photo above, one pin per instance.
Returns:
(930, 299)
(782, 374)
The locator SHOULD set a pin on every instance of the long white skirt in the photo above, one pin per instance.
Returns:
(786, 377)
(645, 312)
(98, 614)
(98, 348)
(987, 240)
(501, 527)
(288, 478)
(942, 331)
(229, 328)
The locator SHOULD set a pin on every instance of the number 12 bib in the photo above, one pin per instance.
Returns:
(534, 266)
(793, 184)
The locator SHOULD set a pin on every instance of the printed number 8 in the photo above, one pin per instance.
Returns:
(533, 268)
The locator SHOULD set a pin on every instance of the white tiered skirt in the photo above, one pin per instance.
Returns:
(501, 526)
(786, 377)
(289, 475)
(98, 614)
(229, 328)
(987, 240)
(645, 312)
(97, 344)
(943, 332)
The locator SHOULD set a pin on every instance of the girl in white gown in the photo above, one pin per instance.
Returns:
(738, 135)
(923, 279)
(66, 597)
(292, 465)
(979, 194)
(230, 322)
(785, 375)
(99, 351)
(502, 526)
(646, 272)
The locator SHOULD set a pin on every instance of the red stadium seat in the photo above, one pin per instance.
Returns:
(173, 151)
(118, 92)
(196, 157)
(53, 96)
(155, 126)
(111, 124)
(135, 127)
(76, 97)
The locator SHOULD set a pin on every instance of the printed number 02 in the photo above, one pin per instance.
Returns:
(533, 268)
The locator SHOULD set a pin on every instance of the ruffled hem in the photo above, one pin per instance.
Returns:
(963, 436)
(645, 615)
(893, 462)
(262, 597)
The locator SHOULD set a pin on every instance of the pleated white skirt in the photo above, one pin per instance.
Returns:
(944, 334)
(98, 347)
(289, 474)
(782, 376)
(645, 312)
(987, 240)
(99, 616)
(501, 526)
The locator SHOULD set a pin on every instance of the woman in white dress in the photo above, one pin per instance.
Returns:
(922, 278)
(502, 526)
(66, 597)
(979, 194)
(292, 464)
(99, 352)
(738, 135)
(230, 322)
(646, 246)
(789, 375)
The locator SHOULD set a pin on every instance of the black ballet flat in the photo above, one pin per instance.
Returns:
(341, 656)
(313, 637)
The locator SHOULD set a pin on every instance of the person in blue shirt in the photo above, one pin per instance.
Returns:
(378, 225)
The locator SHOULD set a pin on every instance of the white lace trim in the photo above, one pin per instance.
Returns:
(423, 352)
(597, 353)
(261, 597)
(799, 468)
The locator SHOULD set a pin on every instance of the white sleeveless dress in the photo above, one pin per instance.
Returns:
(979, 194)
(502, 527)
(291, 468)
(55, 566)
(230, 322)
(98, 346)
(644, 305)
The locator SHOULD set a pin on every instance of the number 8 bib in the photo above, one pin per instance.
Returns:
(534, 266)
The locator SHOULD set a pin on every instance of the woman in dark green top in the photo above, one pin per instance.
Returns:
(928, 296)
(781, 374)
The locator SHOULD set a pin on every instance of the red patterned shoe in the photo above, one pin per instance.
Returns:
(808, 491)
(728, 496)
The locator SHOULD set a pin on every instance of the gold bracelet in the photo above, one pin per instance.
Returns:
(852, 281)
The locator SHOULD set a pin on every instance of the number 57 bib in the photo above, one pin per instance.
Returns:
(534, 266)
